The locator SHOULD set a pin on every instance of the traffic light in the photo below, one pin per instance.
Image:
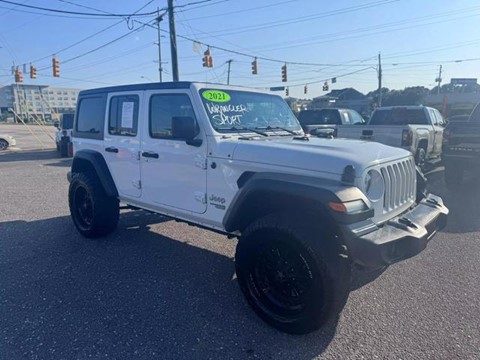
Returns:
(56, 67)
(254, 67)
(325, 86)
(305, 89)
(286, 92)
(33, 72)
(284, 73)
(18, 75)
(207, 59)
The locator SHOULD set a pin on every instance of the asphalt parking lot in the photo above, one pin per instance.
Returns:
(160, 289)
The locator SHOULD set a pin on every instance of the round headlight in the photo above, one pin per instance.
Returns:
(373, 185)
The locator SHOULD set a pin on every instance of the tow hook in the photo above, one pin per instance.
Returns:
(407, 222)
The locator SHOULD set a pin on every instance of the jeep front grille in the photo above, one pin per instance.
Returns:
(400, 184)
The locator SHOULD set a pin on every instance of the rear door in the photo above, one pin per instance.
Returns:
(122, 141)
(438, 124)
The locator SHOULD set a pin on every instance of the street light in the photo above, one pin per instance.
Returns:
(146, 78)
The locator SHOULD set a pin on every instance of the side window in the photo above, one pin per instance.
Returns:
(123, 118)
(163, 108)
(90, 119)
(346, 117)
(440, 119)
(434, 117)
(355, 117)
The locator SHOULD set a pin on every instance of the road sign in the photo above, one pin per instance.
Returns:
(463, 81)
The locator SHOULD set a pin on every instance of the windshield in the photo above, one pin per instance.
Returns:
(399, 117)
(67, 121)
(233, 110)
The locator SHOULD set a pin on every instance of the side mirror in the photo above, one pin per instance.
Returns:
(185, 128)
(56, 124)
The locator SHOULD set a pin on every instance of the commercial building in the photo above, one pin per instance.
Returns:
(37, 100)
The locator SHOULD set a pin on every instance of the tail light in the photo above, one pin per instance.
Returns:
(307, 132)
(446, 136)
(335, 133)
(407, 137)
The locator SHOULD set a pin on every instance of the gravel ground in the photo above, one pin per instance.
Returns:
(160, 289)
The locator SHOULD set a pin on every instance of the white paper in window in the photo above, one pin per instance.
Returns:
(127, 115)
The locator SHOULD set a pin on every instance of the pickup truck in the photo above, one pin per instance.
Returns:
(236, 161)
(323, 122)
(418, 129)
(461, 148)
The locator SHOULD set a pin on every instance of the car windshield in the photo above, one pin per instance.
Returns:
(400, 116)
(320, 117)
(234, 110)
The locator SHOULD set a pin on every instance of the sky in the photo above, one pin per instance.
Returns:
(318, 40)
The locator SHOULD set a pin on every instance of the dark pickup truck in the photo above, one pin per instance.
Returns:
(461, 148)
(324, 122)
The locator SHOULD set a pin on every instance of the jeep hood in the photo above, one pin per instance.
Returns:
(317, 154)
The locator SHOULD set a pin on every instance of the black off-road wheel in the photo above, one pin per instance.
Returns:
(293, 275)
(454, 176)
(420, 159)
(93, 212)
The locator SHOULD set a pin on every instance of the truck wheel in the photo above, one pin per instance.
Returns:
(3, 144)
(453, 176)
(291, 273)
(93, 212)
(420, 158)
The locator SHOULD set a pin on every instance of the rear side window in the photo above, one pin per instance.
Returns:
(90, 118)
(401, 116)
(355, 117)
(123, 118)
(319, 117)
(163, 108)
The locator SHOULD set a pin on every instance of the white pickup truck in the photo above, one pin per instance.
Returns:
(418, 129)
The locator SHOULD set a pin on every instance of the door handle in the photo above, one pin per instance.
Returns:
(149, 154)
(111, 149)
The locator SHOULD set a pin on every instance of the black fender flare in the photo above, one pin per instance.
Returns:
(263, 193)
(98, 164)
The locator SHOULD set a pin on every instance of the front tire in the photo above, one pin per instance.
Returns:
(3, 145)
(420, 159)
(292, 273)
(93, 212)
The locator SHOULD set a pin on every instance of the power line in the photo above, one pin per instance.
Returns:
(198, 3)
(77, 12)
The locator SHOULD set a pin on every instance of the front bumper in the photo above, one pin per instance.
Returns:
(400, 238)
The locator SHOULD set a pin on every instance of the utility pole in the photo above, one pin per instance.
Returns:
(159, 19)
(229, 62)
(173, 40)
(379, 80)
(439, 79)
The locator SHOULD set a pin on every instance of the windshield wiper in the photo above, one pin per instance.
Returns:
(244, 128)
(278, 128)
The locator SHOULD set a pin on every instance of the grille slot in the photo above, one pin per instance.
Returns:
(399, 181)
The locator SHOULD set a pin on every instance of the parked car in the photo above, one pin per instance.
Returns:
(237, 162)
(418, 129)
(315, 122)
(461, 148)
(63, 135)
(6, 141)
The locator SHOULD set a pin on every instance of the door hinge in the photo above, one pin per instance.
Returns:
(137, 184)
(138, 155)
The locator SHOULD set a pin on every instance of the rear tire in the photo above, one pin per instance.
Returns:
(93, 212)
(292, 273)
(454, 176)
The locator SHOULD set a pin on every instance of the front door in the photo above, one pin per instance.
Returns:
(122, 142)
(173, 173)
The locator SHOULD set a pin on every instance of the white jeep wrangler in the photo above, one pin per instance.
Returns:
(236, 161)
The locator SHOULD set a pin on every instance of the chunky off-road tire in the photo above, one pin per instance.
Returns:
(420, 159)
(454, 176)
(3, 145)
(293, 274)
(93, 212)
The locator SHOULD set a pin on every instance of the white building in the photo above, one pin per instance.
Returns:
(40, 100)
